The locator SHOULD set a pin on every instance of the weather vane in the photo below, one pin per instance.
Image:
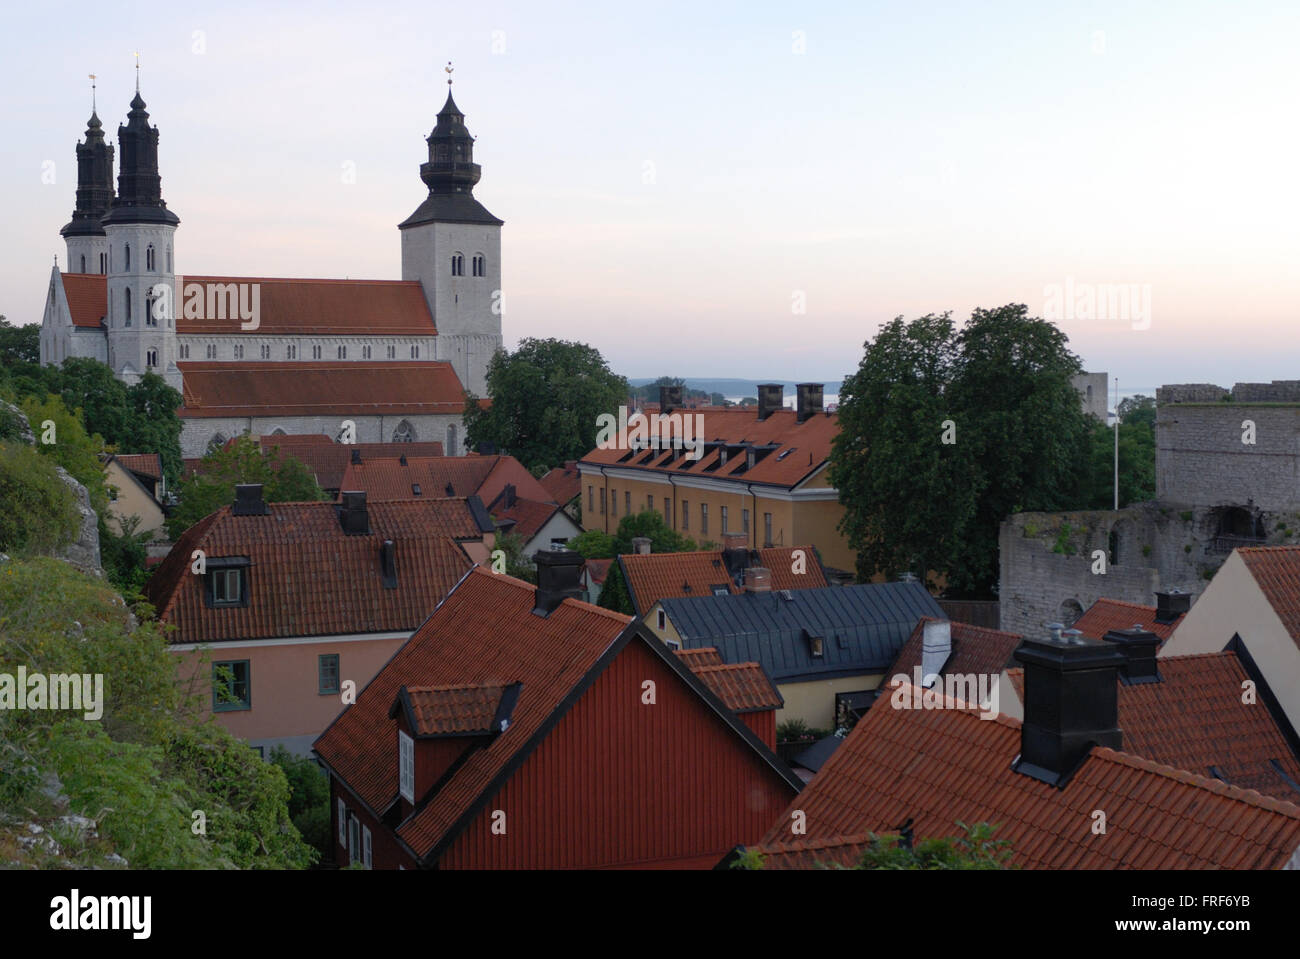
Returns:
(449, 69)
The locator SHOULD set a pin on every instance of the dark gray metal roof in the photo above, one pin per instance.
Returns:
(862, 628)
(450, 208)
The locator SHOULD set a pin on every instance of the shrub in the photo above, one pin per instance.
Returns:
(38, 511)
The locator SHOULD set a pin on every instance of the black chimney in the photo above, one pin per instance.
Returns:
(735, 554)
(356, 455)
(809, 400)
(771, 397)
(1139, 648)
(352, 513)
(248, 501)
(388, 564)
(670, 398)
(559, 577)
(1071, 704)
(1172, 604)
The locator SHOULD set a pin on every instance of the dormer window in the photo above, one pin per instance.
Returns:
(406, 766)
(816, 647)
(227, 581)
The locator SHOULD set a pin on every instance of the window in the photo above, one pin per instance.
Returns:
(327, 673)
(671, 644)
(406, 766)
(212, 351)
(343, 352)
(127, 291)
(185, 352)
(365, 847)
(342, 812)
(169, 259)
(744, 521)
(686, 515)
(602, 500)
(591, 499)
(353, 837)
(149, 262)
(458, 264)
(266, 351)
(668, 512)
(83, 270)
(415, 352)
(704, 519)
(149, 318)
(613, 502)
(724, 520)
(392, 352)
(238, 351)
(227, 587)
(627, 502)
(480, 265)
(450, 447)
(103, 263)
(151, 358)
(405, 433)
(660, 618)
(719, 590)
(815, 646)
(767, 529)
(128, 257)
(291, 352)
(230, 686)
(649, 503)
(365, 352)
(315, 352)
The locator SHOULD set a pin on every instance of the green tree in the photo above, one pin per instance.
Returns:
(976, 849)
(943, 434)
(78, 453)
(1137, 465)
(663, 539)
(546, 398)
(284, 479)
(38, 512)
(19, 344)
(517, 564)
(1138, 409)
(124, 556)
(593, 544)
(309, 798)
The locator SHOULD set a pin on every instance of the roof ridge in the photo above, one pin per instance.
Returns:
(292, 279)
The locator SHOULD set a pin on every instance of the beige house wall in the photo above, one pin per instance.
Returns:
(132, 500)
(813, 701)
(1233, 604)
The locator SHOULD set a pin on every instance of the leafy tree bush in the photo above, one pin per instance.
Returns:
(38, 512)
(977, 849)
(663, 539)
(309, 798)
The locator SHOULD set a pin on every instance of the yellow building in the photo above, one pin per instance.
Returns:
(135, 483)
(760, 471)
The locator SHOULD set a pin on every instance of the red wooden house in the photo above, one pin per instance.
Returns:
(522, 728)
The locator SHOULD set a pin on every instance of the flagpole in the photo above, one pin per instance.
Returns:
(1117, 443)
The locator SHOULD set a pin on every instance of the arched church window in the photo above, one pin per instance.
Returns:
(128, 257)
(149, 318)
(480, 265)
(103, 263)
(169, 259)
(450, 445)
(149, 260)
(458, 264)
(151, 358)
(83, 263)
(128, 306)
(405, 433)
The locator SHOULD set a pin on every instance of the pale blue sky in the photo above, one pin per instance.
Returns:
(914, 158)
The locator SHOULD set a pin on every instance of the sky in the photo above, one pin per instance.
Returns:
(721, 189)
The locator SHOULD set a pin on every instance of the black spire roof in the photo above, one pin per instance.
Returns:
(139, 187)
(450, 174)
(94, 182)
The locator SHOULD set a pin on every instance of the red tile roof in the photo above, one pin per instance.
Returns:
(146, 464)
(1194, 718)
(525, 517)
(654, 576)
(1277, 571)
(309, 306)
(329, 460)
(1107, 614)
(87, 295)
(598, 569)
(563, 483)
(343, 388)
(941, 766)
(704, 656)
(483, 633)
(975, 650)
(463, 709)
(384, 478)
(799, 449)
(309, 578)
(743, 687)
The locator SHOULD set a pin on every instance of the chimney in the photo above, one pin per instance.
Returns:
(352, 513)
(771, 397)
(641, 545)
(388, 564)
(735, 553)
(1171, 604)
(758, 579)
(356, 456)
(248, 501)
(559, 577)
(808, 400)
(936, 647)
(1139, 648)
(1071, 704)
(402, 459)
(487, 449)
(670, 398)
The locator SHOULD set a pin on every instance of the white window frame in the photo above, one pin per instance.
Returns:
(366, 848)
(406, 766)
(343, 822)
(354, 839)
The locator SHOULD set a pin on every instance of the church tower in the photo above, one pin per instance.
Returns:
(87, 243)
(452, 245)
(139, 230)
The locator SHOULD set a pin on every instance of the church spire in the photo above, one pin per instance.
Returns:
(139, 186)
(451, 167)
(94, 178)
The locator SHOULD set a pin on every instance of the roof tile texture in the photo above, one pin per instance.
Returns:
(655, 576)
(463, 709)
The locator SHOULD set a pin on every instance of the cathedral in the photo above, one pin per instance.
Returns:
(361, 360)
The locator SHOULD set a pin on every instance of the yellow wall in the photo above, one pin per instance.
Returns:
(814, 701)
(131, 500)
